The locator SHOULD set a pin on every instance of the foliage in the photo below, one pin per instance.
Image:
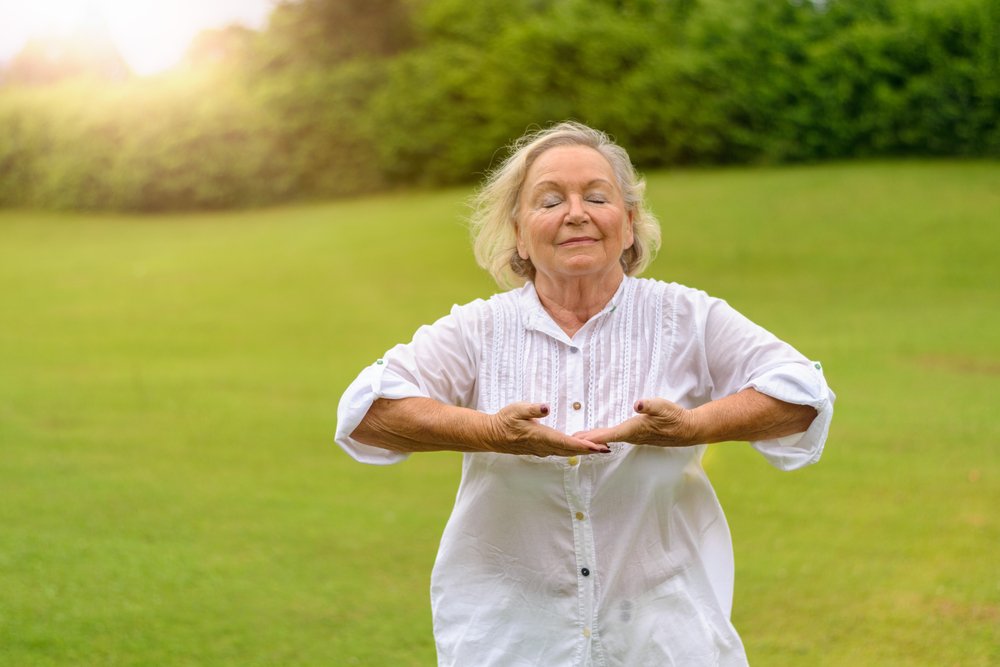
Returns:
(230, 45)
(337, 98)
(151, 145)
(318, 118)
(862, 78)
(325, 33)
(87, 53)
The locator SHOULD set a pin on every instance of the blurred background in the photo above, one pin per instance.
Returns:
(134, 106)
(214, 213)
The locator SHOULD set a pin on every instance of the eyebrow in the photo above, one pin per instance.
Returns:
(544, 184)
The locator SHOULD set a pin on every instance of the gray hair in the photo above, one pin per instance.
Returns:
(495, 205)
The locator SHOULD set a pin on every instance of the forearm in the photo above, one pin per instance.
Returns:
(422, 425)
(748, 416)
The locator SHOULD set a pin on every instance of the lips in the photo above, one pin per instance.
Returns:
(578, 240)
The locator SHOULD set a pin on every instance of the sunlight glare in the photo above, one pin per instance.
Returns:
(151, 35)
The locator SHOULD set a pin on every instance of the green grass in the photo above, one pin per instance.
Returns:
(171, 494)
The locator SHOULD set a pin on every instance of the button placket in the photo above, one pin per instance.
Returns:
(578, 487)
(577, 480)
(576, 387)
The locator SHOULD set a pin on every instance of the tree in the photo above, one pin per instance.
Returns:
(87, 52)
(324, 33)
(231, 45)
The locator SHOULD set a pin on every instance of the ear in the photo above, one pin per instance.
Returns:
(628, 237)
(522, 247)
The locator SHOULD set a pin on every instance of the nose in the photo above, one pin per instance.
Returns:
(576, 214)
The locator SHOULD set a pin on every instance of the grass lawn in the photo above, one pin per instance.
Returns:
(171, 494)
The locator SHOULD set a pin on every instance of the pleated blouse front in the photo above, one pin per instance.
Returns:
(615, 559)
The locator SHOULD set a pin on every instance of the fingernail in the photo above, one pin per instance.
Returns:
(606, 450)
(638, 406)
(544, 409)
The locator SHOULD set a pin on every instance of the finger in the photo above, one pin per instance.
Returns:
(582, 448)
(578, 445)
(591, 447)
(601, 435)
(570, 447)
(630, 430)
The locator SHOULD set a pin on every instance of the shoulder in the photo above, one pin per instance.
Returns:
(469, 312)
(679, 299)
(479, 309)
(685, 313)
(475, 319)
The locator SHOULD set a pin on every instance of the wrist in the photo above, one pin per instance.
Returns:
(697, 426)
(486, 432)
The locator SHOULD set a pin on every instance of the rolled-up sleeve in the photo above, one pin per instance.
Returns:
(439, 363)
(742, 355)
(802, 384)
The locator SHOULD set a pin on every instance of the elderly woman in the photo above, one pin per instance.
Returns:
(585, 531)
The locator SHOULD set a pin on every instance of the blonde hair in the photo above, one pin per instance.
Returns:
(495, 205)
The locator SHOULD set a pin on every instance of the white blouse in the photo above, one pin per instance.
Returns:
(620, 559)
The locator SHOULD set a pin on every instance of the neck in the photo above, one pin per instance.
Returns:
(573, 301)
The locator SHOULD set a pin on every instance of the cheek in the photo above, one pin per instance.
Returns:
(532, 234)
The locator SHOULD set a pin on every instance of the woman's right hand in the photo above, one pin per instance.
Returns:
(419, 424)
(513, 430)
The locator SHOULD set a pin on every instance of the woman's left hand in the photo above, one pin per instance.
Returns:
(658, 422)
(747, 415)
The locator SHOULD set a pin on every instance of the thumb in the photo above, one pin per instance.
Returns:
(528, 410)
(653, 406)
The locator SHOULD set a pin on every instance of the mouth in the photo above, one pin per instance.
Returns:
(577, 240)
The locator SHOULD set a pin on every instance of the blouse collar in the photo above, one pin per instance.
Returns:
(536, 318)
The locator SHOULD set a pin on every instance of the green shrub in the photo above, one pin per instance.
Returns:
(431, 101)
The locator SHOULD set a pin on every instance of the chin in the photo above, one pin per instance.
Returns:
(586, 268)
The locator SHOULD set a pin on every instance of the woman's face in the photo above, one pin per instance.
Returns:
(572, 221)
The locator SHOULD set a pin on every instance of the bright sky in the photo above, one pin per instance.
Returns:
(151, 34)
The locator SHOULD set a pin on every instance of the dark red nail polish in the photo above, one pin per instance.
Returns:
(638, 406)
(545, 409)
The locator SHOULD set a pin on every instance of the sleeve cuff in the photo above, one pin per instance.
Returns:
(373, 383)
(801, 384)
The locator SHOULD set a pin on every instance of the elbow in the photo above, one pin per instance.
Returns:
(371, 430)
(803, 418)
(371, 437)
(365, 434)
